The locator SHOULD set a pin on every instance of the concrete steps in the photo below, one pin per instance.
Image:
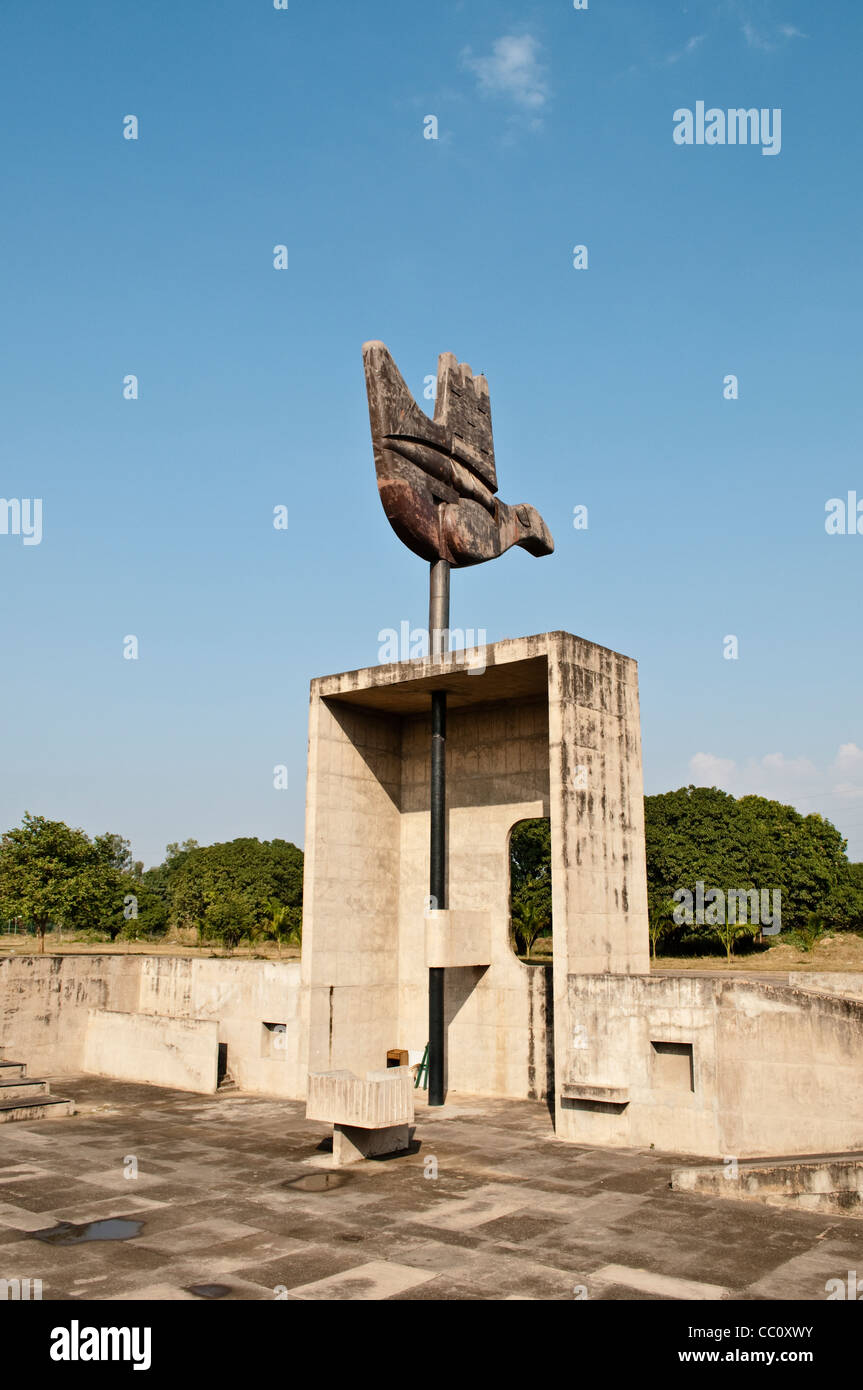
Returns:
(49, 1107)
(28, 1098)
(22, 1088)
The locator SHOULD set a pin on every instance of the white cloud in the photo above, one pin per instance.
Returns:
(757, 39)
(777, 765)
(689, 47)
(848, 766)
(753, 38)
(708, 770)
(846, 791)
(849, 759)
(513, 69)
(773, 775)
(829, 791)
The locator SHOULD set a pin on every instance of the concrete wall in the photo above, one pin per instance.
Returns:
(829, 982)
(242, 997)
(46, 1003)
(178, 1052)
(599, 870)
(774, 1069)
(351, 888)
(549, 726)
(829, 1185)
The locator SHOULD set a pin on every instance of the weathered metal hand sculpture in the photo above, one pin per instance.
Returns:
(437, 477)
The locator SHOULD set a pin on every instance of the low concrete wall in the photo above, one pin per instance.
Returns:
(45, 1004)
(829, 1184)
(713, 1066)
(257, 1007)
(831, 982)
(178, 1052)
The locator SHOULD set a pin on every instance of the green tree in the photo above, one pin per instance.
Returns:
(530, 881)
(660, 920)
(157, 885)
(807, 936)
(229, 920)
(843, 905)
(855, 875)
(704, 834)
(529, 919)
(50, 873)
(730, 930)
(146, 915)
(283, 924)
(258, 872)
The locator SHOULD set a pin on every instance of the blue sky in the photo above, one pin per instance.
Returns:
(304, 127)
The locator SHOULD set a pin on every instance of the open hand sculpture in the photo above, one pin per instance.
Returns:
(436, 477)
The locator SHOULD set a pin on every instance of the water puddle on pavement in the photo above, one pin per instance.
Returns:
(317, 1182)
(65, 1233)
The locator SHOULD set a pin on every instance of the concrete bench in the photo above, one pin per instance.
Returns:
(369, 1117)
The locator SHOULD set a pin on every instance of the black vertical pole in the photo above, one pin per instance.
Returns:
(438, 625)
(437, 890)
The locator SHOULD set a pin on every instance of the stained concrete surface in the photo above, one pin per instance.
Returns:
(513, 1213)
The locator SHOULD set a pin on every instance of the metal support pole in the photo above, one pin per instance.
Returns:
(438, 609)
(438, 644)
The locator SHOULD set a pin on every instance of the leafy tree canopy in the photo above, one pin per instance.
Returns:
(704, 834)
(53, 875)
(50, 873)
(261, 873)
(530, 881)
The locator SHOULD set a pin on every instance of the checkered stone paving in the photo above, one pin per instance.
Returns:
(228, 1198)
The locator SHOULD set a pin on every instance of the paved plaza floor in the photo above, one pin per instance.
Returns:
(226, 1197)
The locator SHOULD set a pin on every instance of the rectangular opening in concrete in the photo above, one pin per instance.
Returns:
(273, 1039)
(673, 1066)
(597, 1107)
